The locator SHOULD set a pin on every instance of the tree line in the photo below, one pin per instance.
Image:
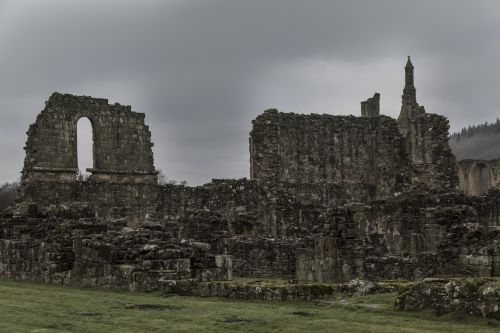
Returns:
(472, 130)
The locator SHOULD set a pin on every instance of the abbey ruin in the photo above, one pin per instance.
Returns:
(330, 198)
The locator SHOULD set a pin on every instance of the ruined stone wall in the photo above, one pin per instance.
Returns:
(470, 176)
(371, 107)
(256, 225)
(122, 142)
(363, 156)
(136, 203)
(241, 205)
(123, 179)
(331, 198)
(261, 226)
(479, 297)
(248, 207)
(68, 246)
(433, 163)
(263, 257)
(412, 236)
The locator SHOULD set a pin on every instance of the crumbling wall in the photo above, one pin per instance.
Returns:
(479, 297)
(263, 257)
(409, 236)
(478, 176)
(135, 203)
(363, 156)
(433, 163)
(331, 198)
(412, 236)
(247, 207)
(122, 142)
(67, 245)
(241, 205)
(123, 176)
(371, 107)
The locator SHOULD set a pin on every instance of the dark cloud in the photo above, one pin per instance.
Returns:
(201, 70)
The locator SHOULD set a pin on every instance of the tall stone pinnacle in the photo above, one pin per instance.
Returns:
(409, 91)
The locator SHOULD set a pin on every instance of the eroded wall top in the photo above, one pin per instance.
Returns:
(356, 152)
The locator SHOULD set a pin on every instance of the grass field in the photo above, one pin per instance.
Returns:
(29, 307)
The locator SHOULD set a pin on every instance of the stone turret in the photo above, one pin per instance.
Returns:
(425, 138)
(371, 107)
(409, 91)
(410, 109)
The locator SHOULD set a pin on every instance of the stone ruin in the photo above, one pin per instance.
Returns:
(476, 177)
(330, 198)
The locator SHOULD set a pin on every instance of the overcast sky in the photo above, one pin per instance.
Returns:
(201, 70)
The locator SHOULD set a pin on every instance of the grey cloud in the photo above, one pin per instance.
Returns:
(201, 70)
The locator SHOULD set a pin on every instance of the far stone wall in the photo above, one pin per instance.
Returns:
(478, 176)
(362, 153)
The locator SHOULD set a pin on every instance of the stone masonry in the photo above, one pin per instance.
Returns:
(371, 107)
(476, 177)
(330, 198)
(363, 157)
(122, 142)
(480, 297)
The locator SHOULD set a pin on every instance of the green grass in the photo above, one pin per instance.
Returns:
(30, 307)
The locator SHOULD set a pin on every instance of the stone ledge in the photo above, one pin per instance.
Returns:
(277, 290)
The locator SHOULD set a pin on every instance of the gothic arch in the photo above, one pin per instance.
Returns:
(480, 176)
(476, 177)
(82, 125)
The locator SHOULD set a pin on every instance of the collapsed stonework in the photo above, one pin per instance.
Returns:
(330, 198)
(67, 245)
(480, 297)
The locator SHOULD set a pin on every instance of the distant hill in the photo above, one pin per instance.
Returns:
(477, 142)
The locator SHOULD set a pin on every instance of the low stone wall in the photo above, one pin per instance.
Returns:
(70, 247)
(478, 297)
(276, 290)
(411, 236)
(258, 291)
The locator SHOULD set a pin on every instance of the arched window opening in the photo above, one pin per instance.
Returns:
(85, 147)
(485, 180)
